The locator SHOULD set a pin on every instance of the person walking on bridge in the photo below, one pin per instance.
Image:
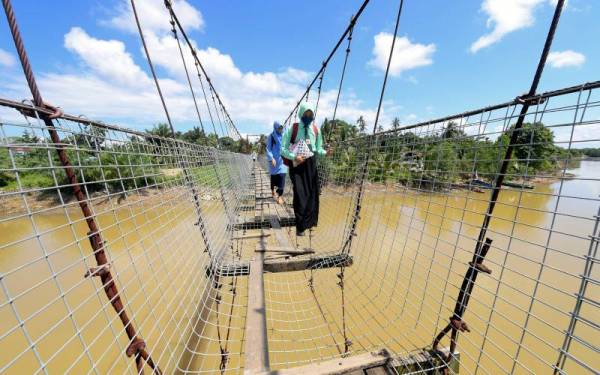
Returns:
(301, 144)
(277, 168)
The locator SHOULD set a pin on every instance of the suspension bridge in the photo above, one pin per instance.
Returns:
(467, 243)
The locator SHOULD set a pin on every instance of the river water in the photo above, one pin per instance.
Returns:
(410, 256)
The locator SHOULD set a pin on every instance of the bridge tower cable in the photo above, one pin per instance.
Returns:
(337, 99)
(169, 6)
(187, 75)
(189, 181)
(329, 57)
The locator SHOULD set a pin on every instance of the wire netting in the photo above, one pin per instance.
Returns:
(164, 209)
(393, 261)
(421, 191)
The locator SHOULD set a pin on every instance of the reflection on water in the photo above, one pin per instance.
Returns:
(410, 256)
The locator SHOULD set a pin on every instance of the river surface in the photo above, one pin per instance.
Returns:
(410, 255)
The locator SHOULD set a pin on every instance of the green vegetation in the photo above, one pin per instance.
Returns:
(450, 157)
(109, 165)
(197, 136)
(447, 157)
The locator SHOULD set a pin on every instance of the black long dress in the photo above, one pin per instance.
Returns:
(305, 181)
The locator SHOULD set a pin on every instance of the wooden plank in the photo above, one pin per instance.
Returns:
(374, 363)
(294, 264)
(249, 236)
(284, 265)
(340, 365)
(379, 370)
(256, 348)
(284, 249)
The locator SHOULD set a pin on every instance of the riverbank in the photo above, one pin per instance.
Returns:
(12, 203)
(15, 204)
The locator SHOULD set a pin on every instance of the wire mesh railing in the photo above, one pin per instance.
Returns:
(425, 194)
(117, 244)
(162, 229)
(425, 197)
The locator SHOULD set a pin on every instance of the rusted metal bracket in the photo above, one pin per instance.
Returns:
(136, 346)
(97, 271)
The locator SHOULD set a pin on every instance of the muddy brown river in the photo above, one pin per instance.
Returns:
(410, 256)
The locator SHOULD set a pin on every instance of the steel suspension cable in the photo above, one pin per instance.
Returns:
(352, 233)
(187, 74)
(216, 111)
(201, 224)
(212, 121)
(337, 99)
(329, 57)
(169, 6)
(319, 92)
(359, 196)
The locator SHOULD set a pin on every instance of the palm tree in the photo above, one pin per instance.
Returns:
(395, 123)
(161, 130)
(453, 131)
(362, 125)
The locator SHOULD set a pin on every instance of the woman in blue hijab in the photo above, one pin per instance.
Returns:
(277, 169)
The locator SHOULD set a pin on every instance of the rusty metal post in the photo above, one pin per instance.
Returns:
(482, 246)
(136, 346)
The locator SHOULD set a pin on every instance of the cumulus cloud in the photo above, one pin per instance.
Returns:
(504, 17)
(6, 59)
(154, 16)
(562, 59)
(109, 85)
(108, 58)
(407, 55)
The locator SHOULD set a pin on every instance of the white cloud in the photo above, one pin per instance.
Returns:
(6, 59)
(506, 16)
(406, 56)
(110, 86)
(108, 58)
(565, 58)
(155, 17)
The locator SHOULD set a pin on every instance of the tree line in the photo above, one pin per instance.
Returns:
(107, 164)
(446, 157)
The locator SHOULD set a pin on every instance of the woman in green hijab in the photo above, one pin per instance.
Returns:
(303, 168)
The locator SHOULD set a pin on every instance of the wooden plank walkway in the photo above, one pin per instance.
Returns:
(263, 202)
(287, 258)
(284, 263)
(350, 365)
(376, 363)
(256, 346)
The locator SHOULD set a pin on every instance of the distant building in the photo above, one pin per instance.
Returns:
(20, 150)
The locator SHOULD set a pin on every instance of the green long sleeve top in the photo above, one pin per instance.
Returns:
(315, 143)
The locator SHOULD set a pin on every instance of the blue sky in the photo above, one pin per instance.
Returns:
(452, 56)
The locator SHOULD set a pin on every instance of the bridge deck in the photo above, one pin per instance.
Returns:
(274, 252)
(264, 207)
(256, 346)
